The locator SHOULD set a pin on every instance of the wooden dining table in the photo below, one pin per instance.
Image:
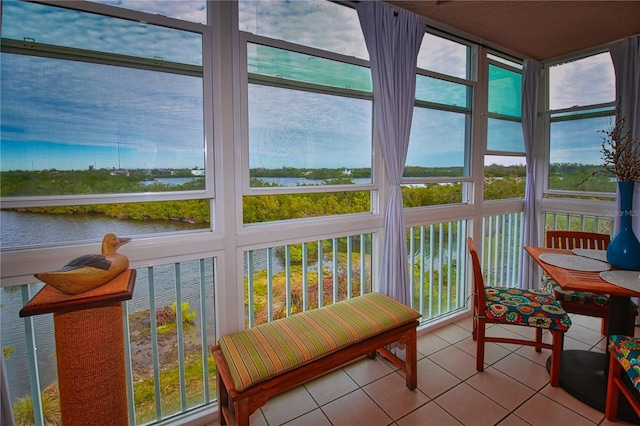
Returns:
(583, 374)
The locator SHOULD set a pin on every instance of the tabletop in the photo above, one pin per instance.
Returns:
(570, 279)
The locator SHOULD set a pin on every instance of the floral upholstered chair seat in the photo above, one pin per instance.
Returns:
(529, 307)
(627, 351)
(584, 297)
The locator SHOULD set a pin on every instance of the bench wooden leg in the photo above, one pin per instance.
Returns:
(223, 399)
(242, 412)
(411, 360)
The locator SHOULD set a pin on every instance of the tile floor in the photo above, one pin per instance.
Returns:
(513, 390)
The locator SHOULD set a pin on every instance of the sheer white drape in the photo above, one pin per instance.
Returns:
(529, 112)
(393, 40)
(626, 63)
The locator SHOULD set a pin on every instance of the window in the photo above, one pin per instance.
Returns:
(504, 171)
(98, 121)
(309, 138)
(581, 101)
(438, 156)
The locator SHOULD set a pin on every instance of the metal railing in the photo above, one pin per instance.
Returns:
(170, 324)
(170, 321)
(281, 281)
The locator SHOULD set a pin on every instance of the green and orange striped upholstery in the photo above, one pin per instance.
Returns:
(270, 349)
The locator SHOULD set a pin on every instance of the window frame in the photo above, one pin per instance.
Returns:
(246, 78)
(553, 194)
(471, 82)
(29, 48)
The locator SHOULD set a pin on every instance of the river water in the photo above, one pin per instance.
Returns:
(22, 229)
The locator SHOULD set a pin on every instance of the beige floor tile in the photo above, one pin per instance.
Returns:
(331, 386)
(571, 344)
(456, 361)
(540, 410)
(393, 396)
(430, 343)
(257, 419)
(524, 370)
(586, 321)
(466, 323)
(452, 333)
(314, 418)
(355, 408)
(367, 370)
(434, 380)
(429, 414)
(584, 334)
(492, 351)
(501, 388)
(513, 420)
(470, 407)
(288, 406)
(561, 396)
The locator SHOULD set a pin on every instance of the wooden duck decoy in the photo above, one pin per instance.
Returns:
(90, 271)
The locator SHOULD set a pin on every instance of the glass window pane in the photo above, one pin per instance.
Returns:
(315, 23)
(437, 144)
(587, 81)
(504, 177)
(119, 128)
(275, 207)
(294, 129)
(273, 62)
(187, 10)
(80, 30)
(438, 91)
(575, 152)
(504, 92)
(444, 56)
(504, 135)
(431, 194)
(56, 226)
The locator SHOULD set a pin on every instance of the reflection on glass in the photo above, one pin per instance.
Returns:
(437, 144)
(294, 133)
(187, 10)
(115, 128)
(315, 23)
(504, 92)
(69, 28)
(505, 136)
(444, 56)
(288, 65)
(438, 91)
(587, 81)
(575, 153)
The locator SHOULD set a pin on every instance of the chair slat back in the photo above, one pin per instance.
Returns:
(478, 279)
(569, 240)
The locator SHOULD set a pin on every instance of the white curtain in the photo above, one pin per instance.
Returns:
(626, 63)
(530, 80)
(393, 41)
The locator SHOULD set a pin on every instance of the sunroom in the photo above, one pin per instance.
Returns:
(240, 145)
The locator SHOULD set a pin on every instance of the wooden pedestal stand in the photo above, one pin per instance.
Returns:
(89, 350)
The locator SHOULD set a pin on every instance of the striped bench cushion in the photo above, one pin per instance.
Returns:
(270, 349)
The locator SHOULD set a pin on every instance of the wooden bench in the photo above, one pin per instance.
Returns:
(255, 364)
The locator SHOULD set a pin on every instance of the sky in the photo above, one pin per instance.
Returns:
(141, 119)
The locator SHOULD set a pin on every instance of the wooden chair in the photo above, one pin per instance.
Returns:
(624, 363)
(513, 306)
(579, 302)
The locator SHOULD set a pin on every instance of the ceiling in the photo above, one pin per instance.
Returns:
(537, 29)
